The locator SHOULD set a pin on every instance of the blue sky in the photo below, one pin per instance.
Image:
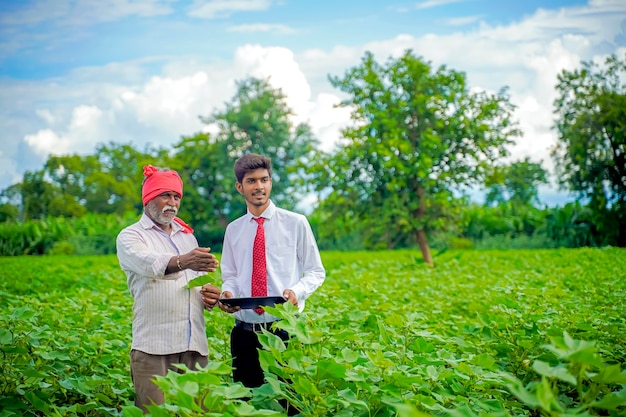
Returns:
(74, 73)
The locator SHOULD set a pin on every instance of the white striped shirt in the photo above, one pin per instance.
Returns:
(167, 318)
(292, 258)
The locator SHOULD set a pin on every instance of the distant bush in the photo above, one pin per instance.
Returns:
(62, 248)
(515, 242)
(461, 243)
(92, 234)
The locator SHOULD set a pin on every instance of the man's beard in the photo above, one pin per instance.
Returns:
(159, 216)
(256, 202)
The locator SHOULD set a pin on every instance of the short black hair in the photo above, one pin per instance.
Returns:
(251, 162)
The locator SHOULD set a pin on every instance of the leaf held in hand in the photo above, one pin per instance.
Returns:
(198, 281)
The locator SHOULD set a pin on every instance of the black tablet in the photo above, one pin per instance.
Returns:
(252, 302)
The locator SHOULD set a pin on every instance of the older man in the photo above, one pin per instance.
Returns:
(160, 255)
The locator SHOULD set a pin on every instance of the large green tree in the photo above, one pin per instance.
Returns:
(590, 154)
(106, 182)
(517, 183)
(209, 190)
(419, 137)
(257, 119)
(510, 202)
(36, 197)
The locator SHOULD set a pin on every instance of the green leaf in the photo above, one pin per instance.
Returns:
(484, 360)
(304, 386)
(34, 373)
(157, 411)
(271, 341)
(5, 337)
(408, 410)
(131, 411)
(432, 373)
(349, 400)
(36, 402)
(327, 369)
(611, 374)
(546, 396)
(611, 401)
(348, 355)
(198, 281)
(233, 391)
(516, 388)
(560, 372)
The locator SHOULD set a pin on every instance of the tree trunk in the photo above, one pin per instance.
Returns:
(422, 241)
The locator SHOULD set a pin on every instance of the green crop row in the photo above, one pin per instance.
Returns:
(485, 333)
(91, 234)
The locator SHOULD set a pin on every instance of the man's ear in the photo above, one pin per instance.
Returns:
(239, 187)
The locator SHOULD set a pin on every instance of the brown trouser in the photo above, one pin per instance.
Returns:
(143, 368)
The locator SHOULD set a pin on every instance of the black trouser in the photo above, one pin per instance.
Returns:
(244, 345)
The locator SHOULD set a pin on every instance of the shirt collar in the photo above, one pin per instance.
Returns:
(267, 214)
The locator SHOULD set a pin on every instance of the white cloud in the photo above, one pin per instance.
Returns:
(118, 102)
(8, 168)
(327, 120)
(83, 131)
(44, 142)
(262, 27)
(279, 65)
(213, 9)
(545, 44)
(82, 12)
(462, 21)
(436, 3)
(165, 107)
(45, 115)
(284, 72)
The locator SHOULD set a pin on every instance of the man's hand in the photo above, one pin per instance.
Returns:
(199, 259)
(224, 307)
(210, 294)
(290, 296)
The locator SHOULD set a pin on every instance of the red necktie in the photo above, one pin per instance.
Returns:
(259, 272)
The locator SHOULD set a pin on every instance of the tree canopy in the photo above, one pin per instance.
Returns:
(419, 141)
(419, 136)
(257, 119)
(590, 154)
(517, 183)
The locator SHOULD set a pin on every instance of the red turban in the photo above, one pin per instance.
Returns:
(159, 182)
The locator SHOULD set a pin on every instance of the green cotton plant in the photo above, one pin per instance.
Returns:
(319, 379)
(22, 372)
(203, 392)
(62, 346)
(576, 382)
(384, 336)
(43, 365)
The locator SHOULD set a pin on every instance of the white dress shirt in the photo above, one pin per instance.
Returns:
(292, 257)
(167, 318)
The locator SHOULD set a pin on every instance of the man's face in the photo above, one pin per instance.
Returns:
(256, 187)
(163, 208)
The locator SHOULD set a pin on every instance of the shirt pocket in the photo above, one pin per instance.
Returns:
(282, 262)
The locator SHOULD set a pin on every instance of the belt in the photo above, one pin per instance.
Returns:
(254, 327)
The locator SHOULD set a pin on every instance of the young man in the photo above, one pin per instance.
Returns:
(290, 263)
(159, 255)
